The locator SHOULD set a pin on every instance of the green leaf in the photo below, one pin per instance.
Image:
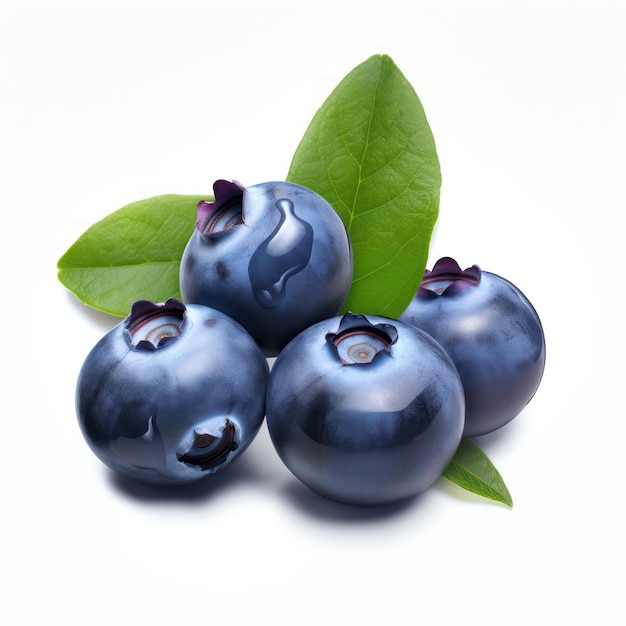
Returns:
(134, 253)
(370, 152)
(472, 470)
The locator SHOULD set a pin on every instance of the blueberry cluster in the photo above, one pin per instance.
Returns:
(362, 409)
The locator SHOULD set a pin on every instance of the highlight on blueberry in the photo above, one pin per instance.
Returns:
(172, 394)
(365, 410)
(275, 256)
(491, 332)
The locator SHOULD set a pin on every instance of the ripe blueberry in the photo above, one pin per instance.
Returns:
(365, 410)
(276, 257)
(172, 394)
(493, 335)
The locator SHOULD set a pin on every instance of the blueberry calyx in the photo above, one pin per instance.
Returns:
(358, 341)
(209, 451)
(448, 279)
(151, 326)
(225, 212)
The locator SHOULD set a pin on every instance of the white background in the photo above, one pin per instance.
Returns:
(106, 102)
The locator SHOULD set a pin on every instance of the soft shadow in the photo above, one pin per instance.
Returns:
(196, 492)
(499, 436)
(314, 505)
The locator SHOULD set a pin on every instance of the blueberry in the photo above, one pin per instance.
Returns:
(493, 335)
(276, 257)
(365, 410)
(172, 394)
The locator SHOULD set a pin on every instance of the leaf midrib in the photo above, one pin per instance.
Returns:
(118, 266)
(352, 211)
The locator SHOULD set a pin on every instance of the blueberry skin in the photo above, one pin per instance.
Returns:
(493, 335)
(276, 257)
(172, 394)
(366, 432)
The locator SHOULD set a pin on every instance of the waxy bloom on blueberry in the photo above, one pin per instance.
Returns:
(364, 409)
(172, 394)
(276, 257)
(493, 335)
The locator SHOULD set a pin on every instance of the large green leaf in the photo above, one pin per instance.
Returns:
(472, 470)
(133, 253)
(370, 152)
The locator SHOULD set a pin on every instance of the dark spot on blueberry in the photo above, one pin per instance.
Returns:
(222, 270)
